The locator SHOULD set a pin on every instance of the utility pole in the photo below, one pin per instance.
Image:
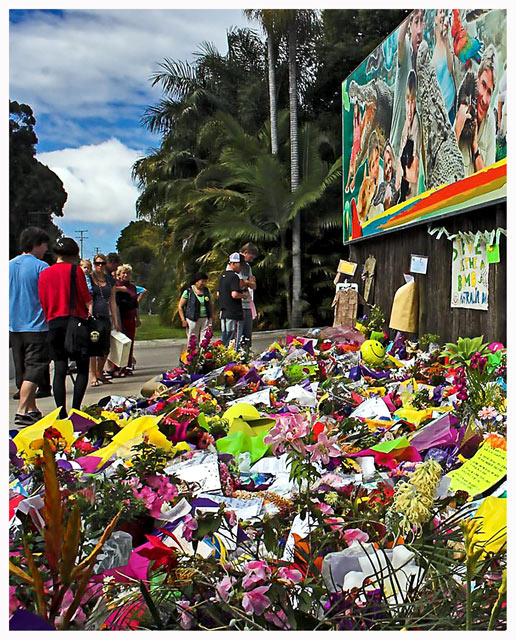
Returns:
(97, 250)
(82, 238)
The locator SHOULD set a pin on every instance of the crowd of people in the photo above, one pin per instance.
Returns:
(43, 298)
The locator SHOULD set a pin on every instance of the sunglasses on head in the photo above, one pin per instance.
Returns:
(100, 263)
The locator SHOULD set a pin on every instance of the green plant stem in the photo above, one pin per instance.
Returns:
(469, 602)
(497, 605)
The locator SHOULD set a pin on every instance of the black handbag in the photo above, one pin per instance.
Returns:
(81, 334)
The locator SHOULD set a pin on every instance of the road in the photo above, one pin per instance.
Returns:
(152, 357)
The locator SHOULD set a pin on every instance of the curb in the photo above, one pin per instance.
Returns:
(175, 342)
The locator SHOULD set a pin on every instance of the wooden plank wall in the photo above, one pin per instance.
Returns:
(392, 252)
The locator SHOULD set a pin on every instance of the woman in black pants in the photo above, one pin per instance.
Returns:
(54, 295)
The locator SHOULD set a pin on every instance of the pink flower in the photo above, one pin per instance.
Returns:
(324, 449)
(232, 517)
(288, 433)
(186, 618)
(292, 576)
(487, 412)
(355, 534)
(224, 588)
(255, 571)
(256, 601)
(324, 508)
(14, 603)
(189, 526)
(279, 618)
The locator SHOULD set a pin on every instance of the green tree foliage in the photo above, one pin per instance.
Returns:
(214, 182)
(33, 187)
(140, 244)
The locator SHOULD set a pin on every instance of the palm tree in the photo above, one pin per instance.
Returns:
(253, 198)
(268, 19)
(299, 24)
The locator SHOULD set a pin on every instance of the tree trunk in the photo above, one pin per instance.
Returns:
(296, 318)
(273, 102)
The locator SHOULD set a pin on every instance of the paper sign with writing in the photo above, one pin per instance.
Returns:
(487, 467)
(470, 275)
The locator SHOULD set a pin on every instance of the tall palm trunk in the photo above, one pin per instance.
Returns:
(273, 102)
(296, 318)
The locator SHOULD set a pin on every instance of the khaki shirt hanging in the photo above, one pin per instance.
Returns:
(346, 304)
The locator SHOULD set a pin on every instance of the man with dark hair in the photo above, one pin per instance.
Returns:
(28, 329)
(113, 262)
(475, 123)
(247, 281)
(230, 298)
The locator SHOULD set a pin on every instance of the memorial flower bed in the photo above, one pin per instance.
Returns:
(327, 483)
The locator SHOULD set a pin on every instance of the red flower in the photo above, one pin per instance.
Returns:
(160, 554)
(217, 343)
(52, 434)
(208, 355)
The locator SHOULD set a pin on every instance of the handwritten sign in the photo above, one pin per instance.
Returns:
(487, 467)
(470, 275)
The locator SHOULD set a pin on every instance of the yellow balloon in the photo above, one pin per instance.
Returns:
(373, 352)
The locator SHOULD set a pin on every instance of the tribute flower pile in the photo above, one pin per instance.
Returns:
(299, 488)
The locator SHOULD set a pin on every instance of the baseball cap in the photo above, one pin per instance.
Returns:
(234, 257)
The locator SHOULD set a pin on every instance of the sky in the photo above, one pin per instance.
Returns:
(85, 74)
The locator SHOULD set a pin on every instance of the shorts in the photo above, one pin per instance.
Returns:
(30, 356)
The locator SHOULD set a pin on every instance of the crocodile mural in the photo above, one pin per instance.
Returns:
(405, 102)
(376, 97)
(442, 158)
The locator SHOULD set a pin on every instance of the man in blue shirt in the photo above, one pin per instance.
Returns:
(27, 326)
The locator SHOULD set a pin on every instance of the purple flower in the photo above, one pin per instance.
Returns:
(189, 526)
(256, 601)
(255, 571)
(224, 588)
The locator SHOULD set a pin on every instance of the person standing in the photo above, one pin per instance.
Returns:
(479, 149)
(230, 298)
(28, 329)
(113, 261)
(55, 286)
(128, 308)
(105, 312)
(195, 309)
(247, 281)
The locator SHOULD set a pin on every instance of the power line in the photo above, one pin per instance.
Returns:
(82, 238)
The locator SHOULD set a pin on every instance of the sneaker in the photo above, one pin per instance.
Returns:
(35, 414)
(16, 396)
(24, 419)
(43, 393)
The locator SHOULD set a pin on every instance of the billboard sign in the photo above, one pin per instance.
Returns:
(424, 121)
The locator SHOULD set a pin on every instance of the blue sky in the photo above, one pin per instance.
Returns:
(85, 73)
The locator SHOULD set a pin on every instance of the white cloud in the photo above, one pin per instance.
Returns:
(89, 61)
(98, 181)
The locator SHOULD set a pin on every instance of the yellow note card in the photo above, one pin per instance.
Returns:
(487, 467)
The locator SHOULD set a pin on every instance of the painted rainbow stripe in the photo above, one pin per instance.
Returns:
(480, 187)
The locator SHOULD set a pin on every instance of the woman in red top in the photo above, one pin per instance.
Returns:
(54, 295)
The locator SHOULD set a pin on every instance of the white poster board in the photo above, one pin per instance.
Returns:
(470, 275)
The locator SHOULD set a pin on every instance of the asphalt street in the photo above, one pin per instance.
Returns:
(152, 357)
